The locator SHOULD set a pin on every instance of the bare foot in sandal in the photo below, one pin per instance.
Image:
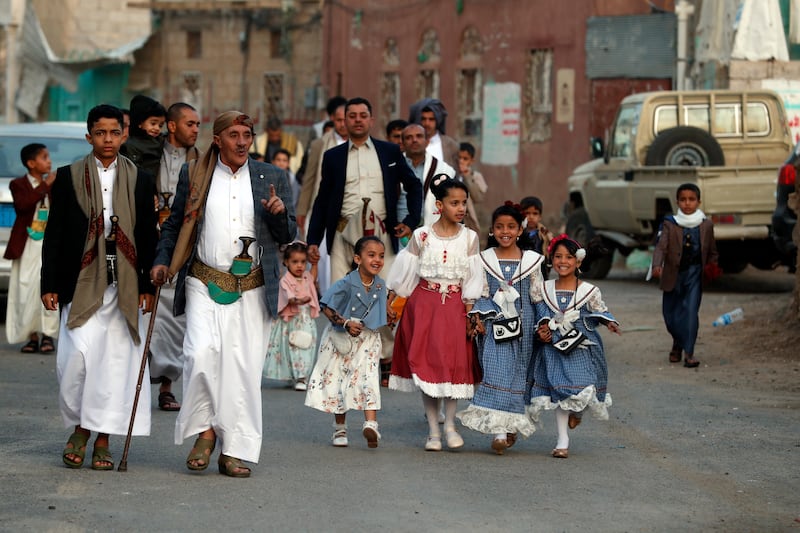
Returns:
(200, 456)
(47, 345)
(75, 450)
(101, 457)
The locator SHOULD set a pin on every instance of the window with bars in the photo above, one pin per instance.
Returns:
(427, 84)
(390, 95)
(191, 89)
(538, 98)
(273, 94)
(469, 102)
(194, 44)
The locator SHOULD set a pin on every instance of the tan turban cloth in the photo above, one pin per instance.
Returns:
(200, 172)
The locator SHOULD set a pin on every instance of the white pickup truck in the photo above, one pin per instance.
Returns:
(729, 143)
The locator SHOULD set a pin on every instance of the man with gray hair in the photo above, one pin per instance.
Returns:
(229, 296)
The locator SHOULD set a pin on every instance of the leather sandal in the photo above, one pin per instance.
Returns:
(511, 439)
(76, 445)
(47, 345)
(499, 446)
(30, 347)
(101, 454)
(228, 466)
(561, 453)
(573, 421)
(201, 451)
(691, 362)
(675, 355)
(168, 402)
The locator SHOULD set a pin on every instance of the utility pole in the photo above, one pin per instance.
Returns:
(684, 10)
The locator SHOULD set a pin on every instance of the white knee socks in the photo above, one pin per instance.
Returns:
(450, 406)
(432, 414)
(562, 420)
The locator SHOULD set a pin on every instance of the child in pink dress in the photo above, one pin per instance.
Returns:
(293, 342)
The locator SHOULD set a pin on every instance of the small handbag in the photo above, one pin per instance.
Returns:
(300, 339)
(342, 341)
(507, 329)
(571, 340)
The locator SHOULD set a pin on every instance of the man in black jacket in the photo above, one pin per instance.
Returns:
(358, 194)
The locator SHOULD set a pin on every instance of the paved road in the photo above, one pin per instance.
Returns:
(679, 454)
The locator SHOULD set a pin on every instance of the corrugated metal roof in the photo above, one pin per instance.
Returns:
(636, 46)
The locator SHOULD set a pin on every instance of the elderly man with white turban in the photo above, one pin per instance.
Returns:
(228, 289)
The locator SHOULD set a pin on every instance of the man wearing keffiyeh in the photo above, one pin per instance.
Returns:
(98, 245)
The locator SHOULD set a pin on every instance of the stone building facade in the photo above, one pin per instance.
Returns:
(261, 57)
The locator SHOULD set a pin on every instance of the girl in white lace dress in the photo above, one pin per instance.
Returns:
(440, 274)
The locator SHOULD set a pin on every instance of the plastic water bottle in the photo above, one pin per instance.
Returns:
(727, 318)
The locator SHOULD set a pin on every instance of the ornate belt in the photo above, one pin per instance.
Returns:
(225, 280)
(445, 290)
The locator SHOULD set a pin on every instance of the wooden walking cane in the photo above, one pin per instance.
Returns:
(123, 464)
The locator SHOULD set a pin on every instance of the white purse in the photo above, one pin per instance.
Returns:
(301, 339)
(342, 341)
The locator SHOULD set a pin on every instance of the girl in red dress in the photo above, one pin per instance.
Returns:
(440, 274)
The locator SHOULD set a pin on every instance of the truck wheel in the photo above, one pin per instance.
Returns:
(684, 146)
(599, 260)
(730, 264)
(579, 227)
(599, 252)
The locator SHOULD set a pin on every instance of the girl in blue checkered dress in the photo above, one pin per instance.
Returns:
(499, 406)
(570, 371)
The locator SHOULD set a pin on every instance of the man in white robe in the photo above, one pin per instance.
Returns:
(227, 317)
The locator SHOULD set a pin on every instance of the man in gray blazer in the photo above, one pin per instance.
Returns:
(229, 290)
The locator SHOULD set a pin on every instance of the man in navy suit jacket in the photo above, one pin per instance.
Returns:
(350, 173)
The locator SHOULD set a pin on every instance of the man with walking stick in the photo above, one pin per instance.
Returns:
(98, 246)
(224, 204)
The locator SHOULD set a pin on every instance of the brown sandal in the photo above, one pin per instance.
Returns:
(76, 447)
(561, 453)
(168, 402)
(31, 347)
(499, 446)
(675, 354)
(47, 345)
(201, 451)
(691, 362)
(228, 466)
(511, 439)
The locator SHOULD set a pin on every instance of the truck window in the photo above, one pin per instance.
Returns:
(726, 120)
(693, 115)
(697, 116)
(757, 119)
(622, 142)
(666, 118)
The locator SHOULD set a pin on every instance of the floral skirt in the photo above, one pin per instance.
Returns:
(287, 362)
(341, 382)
